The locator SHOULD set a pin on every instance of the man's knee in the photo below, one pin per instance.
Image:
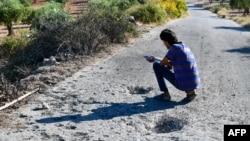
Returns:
(156, 66)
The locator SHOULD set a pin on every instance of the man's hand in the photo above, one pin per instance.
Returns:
(150, 59)
(166, 62)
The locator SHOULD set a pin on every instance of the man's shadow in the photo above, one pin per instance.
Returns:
(117, 110)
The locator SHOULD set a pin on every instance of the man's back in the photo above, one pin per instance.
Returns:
(185, 67)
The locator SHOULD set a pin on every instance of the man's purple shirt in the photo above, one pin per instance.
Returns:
(185, 67)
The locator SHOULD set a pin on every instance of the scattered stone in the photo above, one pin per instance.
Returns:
(35, 127)
(23, 116)
(132, 20)
(50, 61)
(71, 127)
(45, 106)
(59, 125)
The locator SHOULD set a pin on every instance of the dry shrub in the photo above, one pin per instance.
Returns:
(8, 91)
(86, 35)
(223, 12)
(174, 8)
(65, 40)
(149, 13)
(10, 45)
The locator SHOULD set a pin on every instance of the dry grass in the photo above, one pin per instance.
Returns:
(10, 122)
(242, 20)
(231, 14)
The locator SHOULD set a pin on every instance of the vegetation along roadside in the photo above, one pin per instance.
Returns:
(56, 37)
(236, 10)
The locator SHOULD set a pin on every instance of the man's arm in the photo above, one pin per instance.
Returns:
(166, 62)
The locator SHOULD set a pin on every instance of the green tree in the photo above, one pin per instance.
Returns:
(12, 11)
(51, 13)
(241, 4)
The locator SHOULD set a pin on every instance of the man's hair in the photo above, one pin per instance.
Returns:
(169, 36)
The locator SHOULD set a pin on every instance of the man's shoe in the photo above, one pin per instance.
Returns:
(189, 98)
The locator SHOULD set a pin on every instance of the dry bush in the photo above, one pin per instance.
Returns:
(8, 91)
(65, 40)
(88, 34)
(149, 13)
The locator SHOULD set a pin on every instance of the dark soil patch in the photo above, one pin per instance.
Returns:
(169, 124)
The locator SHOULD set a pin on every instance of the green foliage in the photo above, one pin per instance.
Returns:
(142, 1)
(247, 26)
(146, 11)
(174, 8)
(113, 22)
(57, 35)
(239, 4)
(51, 13)
(59, 1)
(27, 19)
(86, 35)
(216, 8)
(149, 13)
(11, 11)
(114, 26)
(26, 3)
(124, 4)
(181, 6)
(49, 6)
(114, 4)
(10, 45)
(53, 18)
